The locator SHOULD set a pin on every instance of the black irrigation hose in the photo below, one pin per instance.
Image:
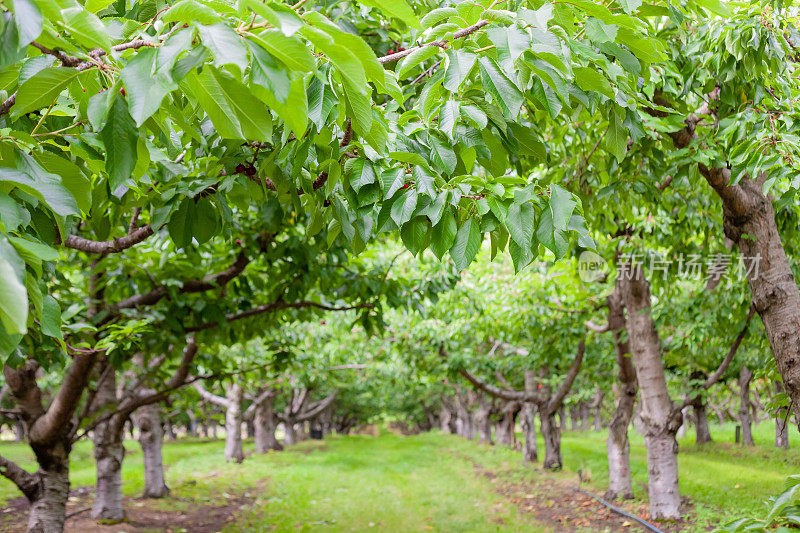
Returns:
(646, 524)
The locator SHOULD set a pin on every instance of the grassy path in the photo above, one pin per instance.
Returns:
(426, 482)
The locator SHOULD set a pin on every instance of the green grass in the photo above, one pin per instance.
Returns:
(396, 483)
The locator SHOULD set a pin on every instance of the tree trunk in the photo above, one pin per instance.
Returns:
(19, 431)
(530, 451)
(701, 421)
(482, 423)
(625, 391)
(289, 434)
(108, 455)
(48, 506)
(169, 430)
(745, 375)
(445, 419)
(505, 427)
(562, 417)
(583, 409)
(148, 420)
(552, 440)
(597, 405)
(266, 423)
(660, 417)
(233, 424)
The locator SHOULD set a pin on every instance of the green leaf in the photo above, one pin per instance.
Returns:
(96, 5)
(225, 44)
(288, 50)
(85, 27)
(415, 234)
(396, 8)
(459, 65)
(403, 206)
(191, 11)
(716, 7)
(47, 188)
(437, 15)
(73, 180)
(505, 92)
(13, 296)
(233, 109)
(415, 58)
(616, 138)
(629, 6)
(42, 89)
(467, 243)
(443, 234)
(562, 204)
(29, 21)
(280, 16)
(145, 84)
(120, 136)
(520, 224)
(51, 318)
(590, 79)
(529, 142)
(443, 156)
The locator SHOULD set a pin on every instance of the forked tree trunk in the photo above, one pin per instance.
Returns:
(552, 441)
(266, 423)
(745, 375)
(148, 419)
(625, 391)
(660, 417)
(108, 455)
(701, 421)
(749, 221)
(233, 424)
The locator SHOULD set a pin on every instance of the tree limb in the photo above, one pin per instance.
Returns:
(441, 44)
(317, 409)
(107, 247)
(26, 482)
(563, 389)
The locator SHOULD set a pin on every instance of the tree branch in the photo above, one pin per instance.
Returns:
(441, 44)
(317, 408)
(563, 389)
(25, 481)
(106, 247)
(213, 398)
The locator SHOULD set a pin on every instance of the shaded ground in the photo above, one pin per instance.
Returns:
(170, 514)
(427, 482)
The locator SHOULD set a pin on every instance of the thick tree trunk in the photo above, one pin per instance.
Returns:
(661, 419)
(108, 455)
(781, 433)
(505, 427)
(562, 417)
(48, 507)
(445, 418)
(19, 431)
(148, 420)
(625, 391)
(266, 423)
(463, 418)
(530, 451)
(552, 440)
(701, 421)
(233, 424)
(745, 375)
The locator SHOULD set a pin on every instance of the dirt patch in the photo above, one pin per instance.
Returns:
(559, 506)
(141, 515)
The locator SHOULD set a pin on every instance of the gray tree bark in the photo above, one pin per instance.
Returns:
(148, 419)
(625, 391)
(552, 441)
(266, 423)
(701, 421)
(233, 424)
(661, 419)
(482, 423)
(530, 451)
(108, 455)
(505, 427)
(745, 376)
